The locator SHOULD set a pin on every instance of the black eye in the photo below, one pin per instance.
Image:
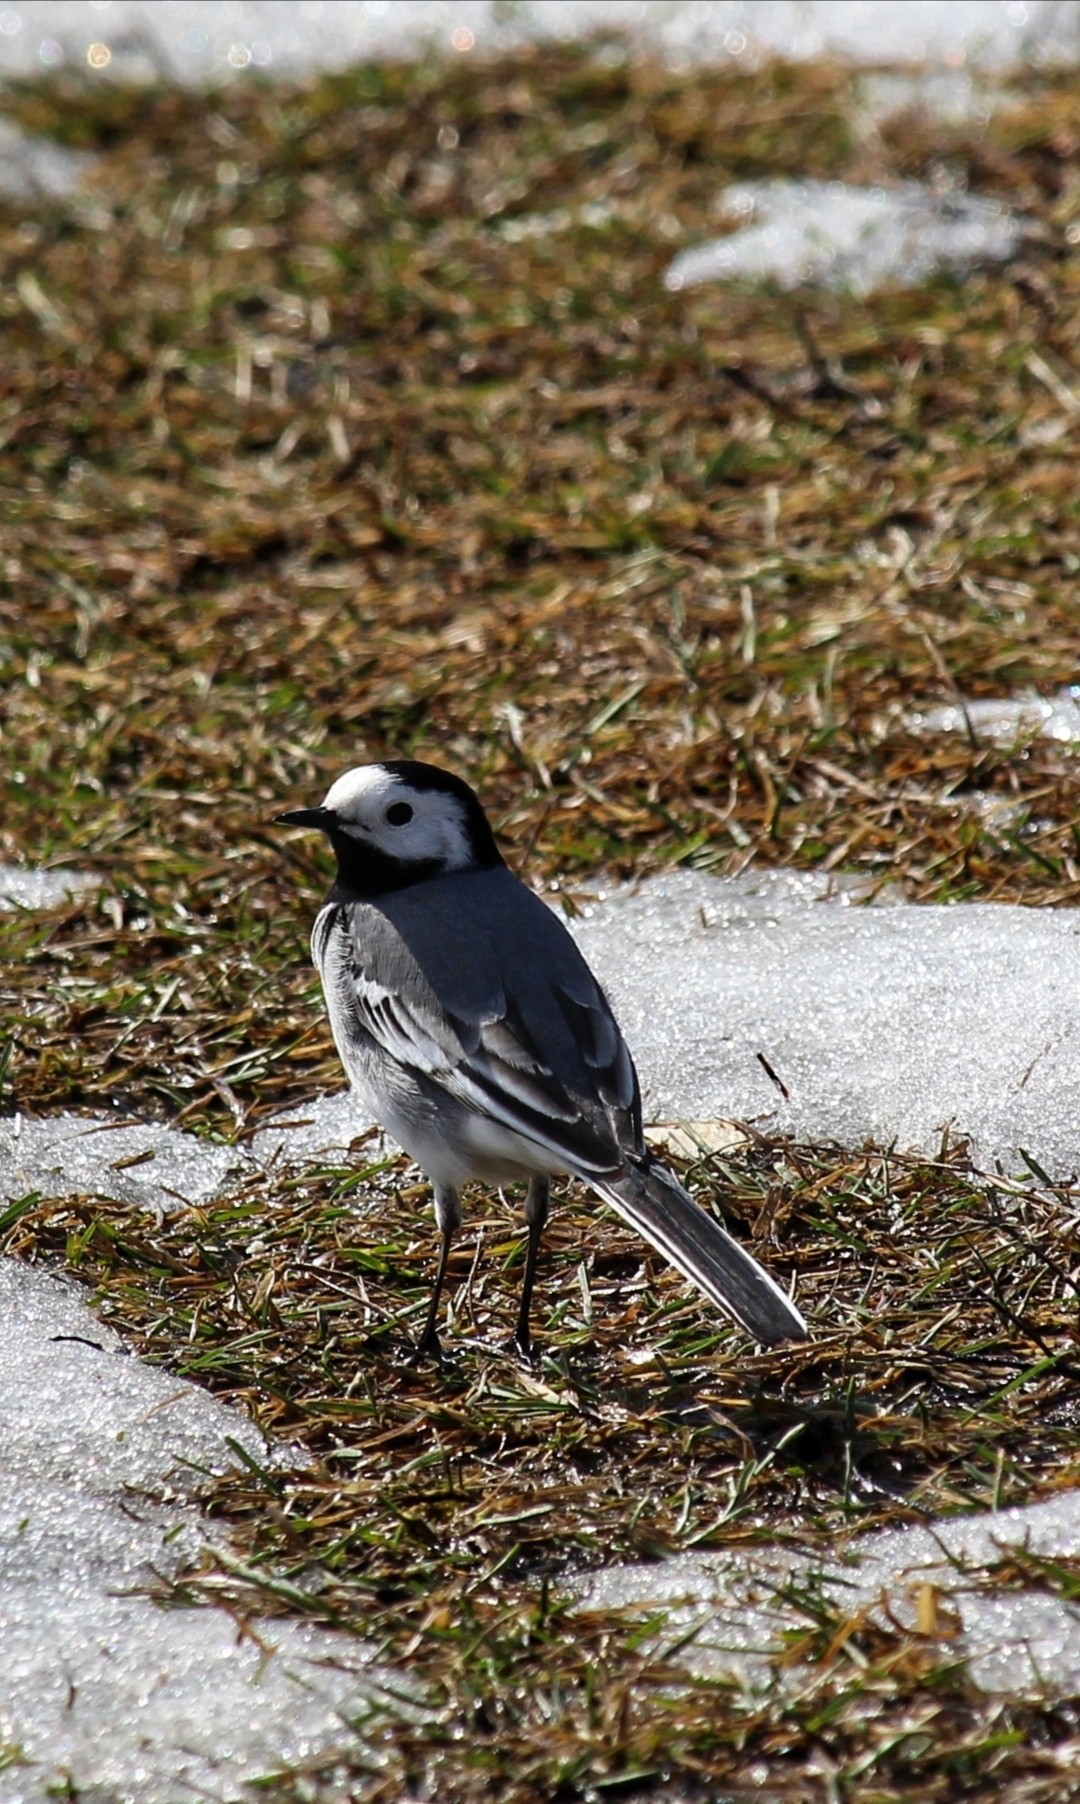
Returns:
(398, 813)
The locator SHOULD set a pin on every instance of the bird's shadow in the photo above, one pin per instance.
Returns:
(829, 1439)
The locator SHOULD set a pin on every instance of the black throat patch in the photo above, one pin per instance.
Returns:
(366, 873)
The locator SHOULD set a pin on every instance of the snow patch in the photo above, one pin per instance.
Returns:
(725, 1614)
(103, 1689)
(140, 1163)
(856, 239)
(892, 1023)
(1026, 716)
(35, 168)
(21, 887)
(197, 41)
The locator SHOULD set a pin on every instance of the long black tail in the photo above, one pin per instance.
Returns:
(656, 1205)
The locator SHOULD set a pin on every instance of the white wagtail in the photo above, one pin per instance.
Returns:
(471, 1028)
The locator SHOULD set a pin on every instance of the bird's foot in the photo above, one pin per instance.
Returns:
(525, 1347)
(429, 1346)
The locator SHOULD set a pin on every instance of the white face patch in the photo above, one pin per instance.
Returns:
(377, 808)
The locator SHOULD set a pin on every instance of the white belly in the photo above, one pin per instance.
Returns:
(456, 1145)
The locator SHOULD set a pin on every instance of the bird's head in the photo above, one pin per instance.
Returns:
(399, 823)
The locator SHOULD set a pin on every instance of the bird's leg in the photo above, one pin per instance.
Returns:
(448, 1216)
(536, 1214)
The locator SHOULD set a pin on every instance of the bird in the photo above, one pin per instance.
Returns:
(472, 1029)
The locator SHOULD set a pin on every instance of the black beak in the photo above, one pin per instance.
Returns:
(322, 818)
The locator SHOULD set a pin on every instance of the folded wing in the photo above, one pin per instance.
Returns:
(490, 1058)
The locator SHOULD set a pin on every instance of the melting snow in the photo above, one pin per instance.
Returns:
(23, 888)
(1016, 717)
(725, 1615)
(103, 1690)
(35, 168)
(322, 1129)
(199, 40)
(843, 237)
(143, 1164)
(885, 1022)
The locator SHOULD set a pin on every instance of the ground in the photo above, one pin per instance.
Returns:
(357, 420)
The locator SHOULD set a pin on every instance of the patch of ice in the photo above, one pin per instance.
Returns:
(855, 239)
(200, 40)
(1016, 717)
(35, 168)
(24, 888)
(104, 1691)
(891, 1023)
(725, 1614)
(141, 1163)
(324, 1130)
(950, 95)
(150, 1166)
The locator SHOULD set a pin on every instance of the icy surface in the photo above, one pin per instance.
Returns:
(102, 1689)
(888, 1022)
(953, 95)
(143, 1164)
(843, 237)
(323, 1129)
(150, 1166)
(723, 1617)
(23, 888)
(200, 40)
(34, 168)
(1016, 717)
